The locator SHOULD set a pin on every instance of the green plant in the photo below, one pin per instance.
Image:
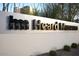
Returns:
(52, 53)
(66, 48)
(74, 45)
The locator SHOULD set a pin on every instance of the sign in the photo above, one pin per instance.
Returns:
(22, 34)
(19, 24)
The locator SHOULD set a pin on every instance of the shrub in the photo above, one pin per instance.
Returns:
(66, 48)
(74, 45)
(78, 44)
(52, 53)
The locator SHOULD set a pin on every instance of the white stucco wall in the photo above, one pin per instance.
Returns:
(32, 42)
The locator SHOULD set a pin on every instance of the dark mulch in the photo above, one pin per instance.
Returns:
(72, 52)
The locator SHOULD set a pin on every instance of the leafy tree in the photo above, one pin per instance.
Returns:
(5, 6)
